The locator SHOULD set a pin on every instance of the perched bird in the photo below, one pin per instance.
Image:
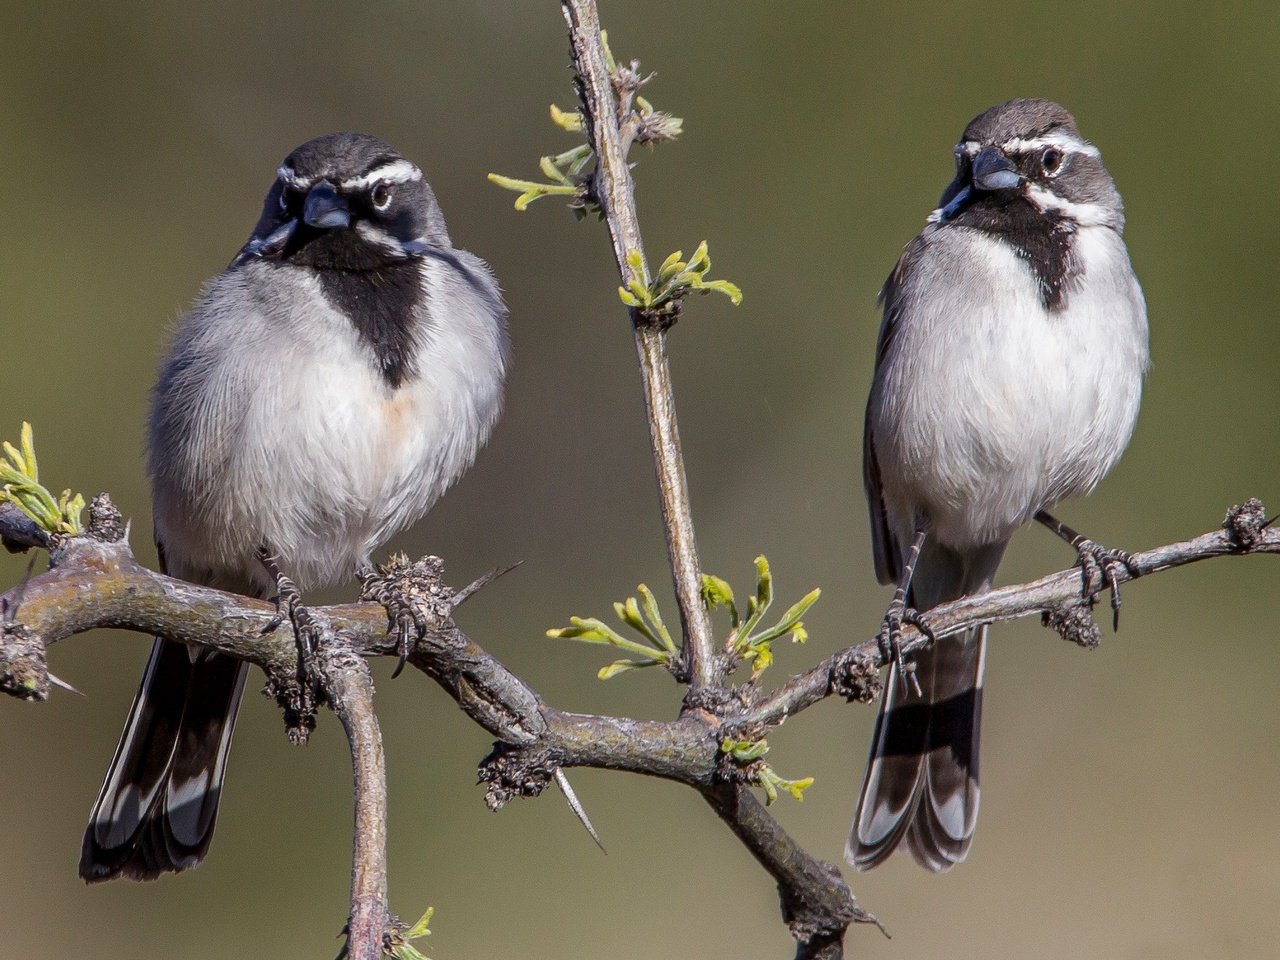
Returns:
(1008, 376)
(325, 390)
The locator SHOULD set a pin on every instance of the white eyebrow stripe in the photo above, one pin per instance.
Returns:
(289, 177)
(397, 171)
(1064, 142)
(1085, 214)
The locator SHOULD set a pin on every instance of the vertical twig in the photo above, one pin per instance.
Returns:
(816, 903)
(615, 193)
(349, 688)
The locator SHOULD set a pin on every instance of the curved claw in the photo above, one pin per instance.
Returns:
(891, 643)
(404, 641)
(1099, 567)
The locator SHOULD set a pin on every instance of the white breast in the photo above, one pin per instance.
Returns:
(988, 407)
(277, 426)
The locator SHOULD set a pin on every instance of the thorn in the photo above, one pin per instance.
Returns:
(575, 805)
(63, 685)
(467, 592)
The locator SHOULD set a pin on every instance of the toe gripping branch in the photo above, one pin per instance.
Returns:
(298, 695)
(414, 594)
(1099, 565)
(891, 641)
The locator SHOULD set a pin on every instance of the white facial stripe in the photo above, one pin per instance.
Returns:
(377, 237)
(398, 171)
(290, 179)
(1064, 142)
(1085, 214)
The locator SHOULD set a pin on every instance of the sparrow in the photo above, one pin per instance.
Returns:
(320, 396)
(1008, 376)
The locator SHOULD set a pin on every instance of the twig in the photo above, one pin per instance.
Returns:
(811, 891)
(614, 191)
(1004, 603)
(348, 687)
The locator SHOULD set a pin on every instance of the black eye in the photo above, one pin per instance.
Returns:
(285, 197)
(1051, 160)
(381, 196)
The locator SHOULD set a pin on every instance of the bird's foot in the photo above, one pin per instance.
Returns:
(1099, 570)
(414, 594)
(307, 632)
(891, 641)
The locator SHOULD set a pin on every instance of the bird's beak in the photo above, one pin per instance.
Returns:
(325, 209)
(992, 170)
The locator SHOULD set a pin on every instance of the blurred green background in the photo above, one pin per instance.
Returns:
(1129, 794)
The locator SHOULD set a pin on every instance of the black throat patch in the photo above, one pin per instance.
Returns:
(382, 304)
(1043, 240)
(381, 297)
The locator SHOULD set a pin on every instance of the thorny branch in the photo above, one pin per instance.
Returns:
(95, 581)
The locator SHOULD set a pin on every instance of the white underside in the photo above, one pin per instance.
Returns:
(289, 435)
(989, 407)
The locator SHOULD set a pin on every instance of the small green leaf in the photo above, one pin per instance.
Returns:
(641, 292)
(629, 613)
(761, 657)
(764, 584)
(571, 122)
(18, 466)
(700, 262)
(744, 751)
(790, 620)
(655, 618)
(718, 593)
(670, 267)
(419, 929)
(530, 190)
(730, 290)
(590, 630)
(627, 298)
(551, 171)
(621, 666)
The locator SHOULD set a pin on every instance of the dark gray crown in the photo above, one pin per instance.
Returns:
(340, 156)
(1025, 117)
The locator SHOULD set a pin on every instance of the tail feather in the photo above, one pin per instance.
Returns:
(921, 784)
(159, 802)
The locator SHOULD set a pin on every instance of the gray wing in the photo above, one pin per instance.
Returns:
(885, 549)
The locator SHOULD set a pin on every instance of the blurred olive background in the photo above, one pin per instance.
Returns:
(1129, 794)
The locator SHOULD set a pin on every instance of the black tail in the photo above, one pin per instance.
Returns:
(921, 784)
(159, 802)
(922, 776)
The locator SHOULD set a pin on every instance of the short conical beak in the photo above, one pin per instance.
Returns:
(992, 170)
(325, 209)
